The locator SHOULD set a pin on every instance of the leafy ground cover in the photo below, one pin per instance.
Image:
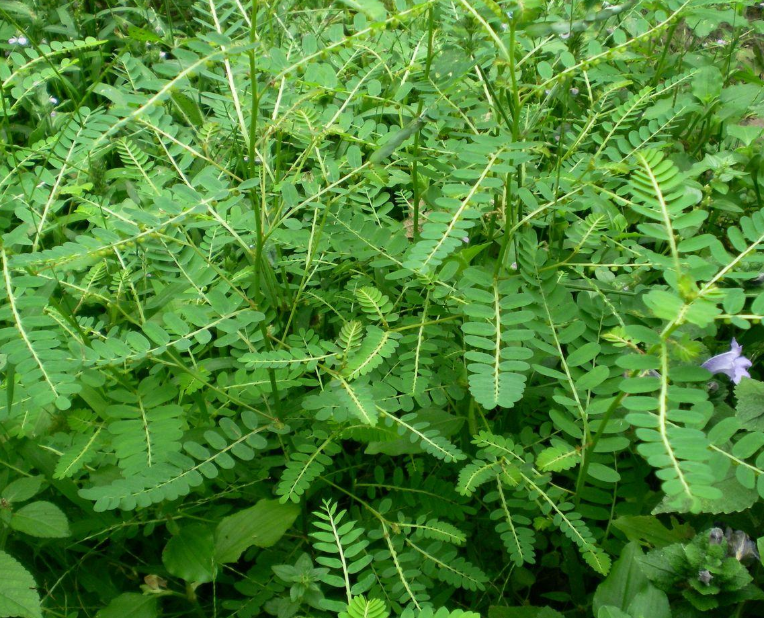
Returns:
(364, 309)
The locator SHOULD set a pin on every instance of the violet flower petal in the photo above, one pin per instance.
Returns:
(732, 364)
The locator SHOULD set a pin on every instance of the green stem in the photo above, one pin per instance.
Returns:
(516, 107)
(739, 610)
(666, 46)
(507, 225)
(513, 79)
(471, 420)
(427, 323)
(257, 203)
(589, 450)
(417, 138)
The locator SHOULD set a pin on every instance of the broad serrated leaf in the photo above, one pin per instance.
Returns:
(18, 593)
(750, 404)
(41, 519)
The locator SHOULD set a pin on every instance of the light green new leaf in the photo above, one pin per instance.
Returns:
(359, 607)
(261, 525)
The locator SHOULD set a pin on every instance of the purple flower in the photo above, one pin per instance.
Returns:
(705, 577)
(732, 364)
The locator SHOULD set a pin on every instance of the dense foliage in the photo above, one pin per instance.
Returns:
(381, 308)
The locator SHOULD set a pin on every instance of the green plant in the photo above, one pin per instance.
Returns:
(370, 308)
(707, 571)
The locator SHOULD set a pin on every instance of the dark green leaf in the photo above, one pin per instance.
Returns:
(131, 605)
(190, 554)
(261, 525)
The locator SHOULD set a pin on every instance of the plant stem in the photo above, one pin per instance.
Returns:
(589, 449)
(254, 113)
(417, 137)
(516, 106)
(666, 46)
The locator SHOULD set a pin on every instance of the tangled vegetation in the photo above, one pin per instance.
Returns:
(370, 308)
